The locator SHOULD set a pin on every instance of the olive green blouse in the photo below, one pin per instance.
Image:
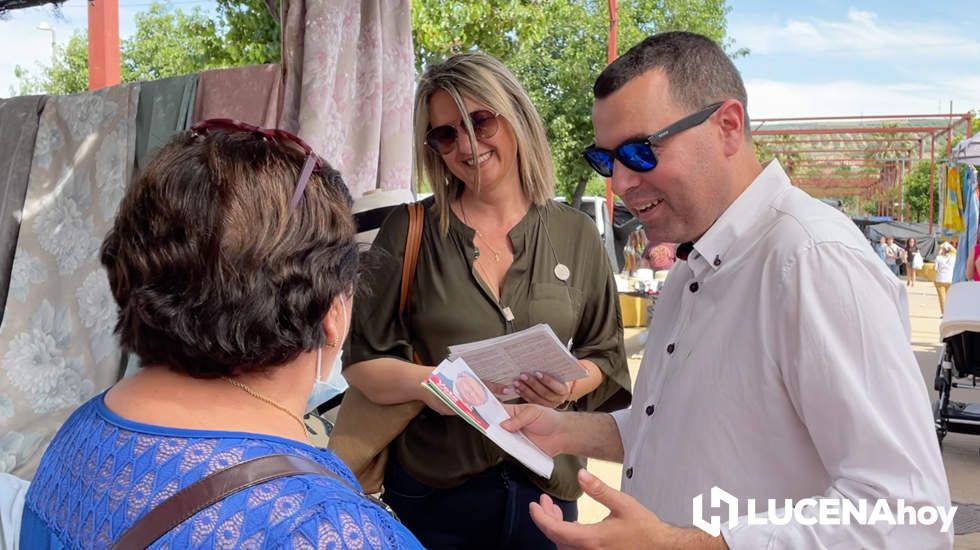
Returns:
(449, 304)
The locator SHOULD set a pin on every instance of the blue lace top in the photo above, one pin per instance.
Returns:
(102, 473)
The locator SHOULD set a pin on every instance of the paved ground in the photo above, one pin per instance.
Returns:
(960, 452)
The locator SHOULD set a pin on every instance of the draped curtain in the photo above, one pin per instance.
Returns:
(166, 107)
(250, 94)
(348, 85)
(57, 347)
(19, 117)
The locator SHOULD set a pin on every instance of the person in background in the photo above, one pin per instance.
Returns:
(945, 261)
(973, 263)
(893, 254)
(880, 248)
(777, 342)
(911, 253)
(233, 262)
(661, 257)
(497, 256)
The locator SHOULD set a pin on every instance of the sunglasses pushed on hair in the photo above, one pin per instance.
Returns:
(637, 154)
(442, 139)
(281, 137)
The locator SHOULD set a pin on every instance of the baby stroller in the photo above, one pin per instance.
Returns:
(959, 364)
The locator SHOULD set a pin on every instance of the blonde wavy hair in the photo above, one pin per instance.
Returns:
(485, 80)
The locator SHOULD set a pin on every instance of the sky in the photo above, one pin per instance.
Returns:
(825, 57)
(814, 58)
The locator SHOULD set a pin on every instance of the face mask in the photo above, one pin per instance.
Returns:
(335, 384)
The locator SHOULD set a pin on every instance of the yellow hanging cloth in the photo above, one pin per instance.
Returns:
(953, 210)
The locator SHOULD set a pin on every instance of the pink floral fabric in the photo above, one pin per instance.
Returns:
(249, 94)
(348, 85)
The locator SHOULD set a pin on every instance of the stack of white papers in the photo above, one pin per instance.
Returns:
(502, 359)
(459, 388)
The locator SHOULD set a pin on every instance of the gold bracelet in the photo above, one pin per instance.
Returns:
(568, 400)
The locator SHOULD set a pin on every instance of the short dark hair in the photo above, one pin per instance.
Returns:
(213, 274)
(698, 70)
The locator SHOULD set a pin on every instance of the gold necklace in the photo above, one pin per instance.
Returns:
(494, 251)
(266, 400)
(486, 281)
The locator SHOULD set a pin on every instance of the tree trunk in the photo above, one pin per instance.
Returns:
(579, 191)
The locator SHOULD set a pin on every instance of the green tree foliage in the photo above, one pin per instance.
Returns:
(557, 48)
(250, 31)
(974, 128)
(440, 29)
(765, 150)
(67, 74)
(917, 192)
(168, 42)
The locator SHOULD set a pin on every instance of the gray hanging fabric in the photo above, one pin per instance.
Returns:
(19, 118)
(165, 107)
(57, 346)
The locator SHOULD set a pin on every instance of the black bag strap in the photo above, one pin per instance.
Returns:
(217, 486)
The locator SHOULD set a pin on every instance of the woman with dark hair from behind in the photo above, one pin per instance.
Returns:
(913, 261)
(233, 266)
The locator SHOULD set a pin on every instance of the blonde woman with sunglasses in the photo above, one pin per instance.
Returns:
(497, 256)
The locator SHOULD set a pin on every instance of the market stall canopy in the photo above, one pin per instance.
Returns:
(867, 221)
(10, 5)
(967, 151)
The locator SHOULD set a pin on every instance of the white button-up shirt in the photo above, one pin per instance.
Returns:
(778, 366)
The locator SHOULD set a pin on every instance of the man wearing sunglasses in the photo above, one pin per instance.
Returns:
(770, 370)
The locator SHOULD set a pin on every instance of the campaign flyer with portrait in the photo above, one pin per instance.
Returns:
(459, 388)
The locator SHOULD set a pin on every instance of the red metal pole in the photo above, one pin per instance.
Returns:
(906, 172)
(889, 206)
(932, 180)
(610, 57)
(773, 140)
(613, 31)
(833, 150)
(103, 44)
(858, 117)
(850, 130)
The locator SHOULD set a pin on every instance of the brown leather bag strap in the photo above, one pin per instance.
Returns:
(213, 488)
(413, 242)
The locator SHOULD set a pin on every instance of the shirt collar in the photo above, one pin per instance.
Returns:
(715, 247)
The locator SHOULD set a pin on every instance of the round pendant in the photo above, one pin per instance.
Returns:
(562, 272)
